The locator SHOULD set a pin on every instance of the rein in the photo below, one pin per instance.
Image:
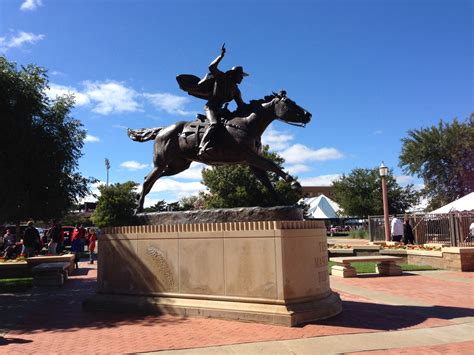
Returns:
(297, 124)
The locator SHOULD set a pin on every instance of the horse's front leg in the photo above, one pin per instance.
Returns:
(262, 176)
(262, 163)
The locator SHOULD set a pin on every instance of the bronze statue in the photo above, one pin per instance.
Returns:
(219, 89)
(238, 142)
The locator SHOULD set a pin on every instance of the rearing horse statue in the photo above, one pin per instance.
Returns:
(239, 142)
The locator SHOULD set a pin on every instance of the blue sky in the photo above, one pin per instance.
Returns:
(367, 70)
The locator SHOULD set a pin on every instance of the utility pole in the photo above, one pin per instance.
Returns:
(107, 166)
(383, 171)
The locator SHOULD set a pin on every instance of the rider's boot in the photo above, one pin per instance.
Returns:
(206, 140)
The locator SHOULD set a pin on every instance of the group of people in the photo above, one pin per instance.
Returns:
(32, 243)
(402, 232)
(81, 236)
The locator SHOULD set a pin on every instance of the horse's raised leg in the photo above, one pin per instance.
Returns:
(150, 179)
(262, 176)
(175, 167)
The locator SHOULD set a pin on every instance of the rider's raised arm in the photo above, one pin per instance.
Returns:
(213, 66)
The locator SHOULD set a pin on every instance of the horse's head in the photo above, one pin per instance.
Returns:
(287, 110)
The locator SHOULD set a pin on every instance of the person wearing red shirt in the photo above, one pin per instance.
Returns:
(92, 241)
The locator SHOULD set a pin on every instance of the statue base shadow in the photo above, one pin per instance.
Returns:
(264, 265)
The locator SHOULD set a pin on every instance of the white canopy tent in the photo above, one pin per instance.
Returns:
(322, 207)
(465, 203)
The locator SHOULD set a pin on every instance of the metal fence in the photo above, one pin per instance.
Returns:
(447, 228)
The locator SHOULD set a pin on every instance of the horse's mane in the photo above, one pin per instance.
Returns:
(254, 106)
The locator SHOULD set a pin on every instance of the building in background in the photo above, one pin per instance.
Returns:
(315, 191)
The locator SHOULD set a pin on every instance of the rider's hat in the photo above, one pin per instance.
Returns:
(239, 70)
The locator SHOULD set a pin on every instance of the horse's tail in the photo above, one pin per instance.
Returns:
(144, 134)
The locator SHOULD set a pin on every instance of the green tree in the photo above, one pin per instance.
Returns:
(360, 193)
(189, 202)
(160, 206)
(184, 204)
(443, 156)
(235, 186)
(116, 205)
(40, 147)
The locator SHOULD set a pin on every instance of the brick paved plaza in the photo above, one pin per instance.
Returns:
(429, 312)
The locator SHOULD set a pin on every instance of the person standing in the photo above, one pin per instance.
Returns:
(76, 244)
(54, 235)
(396, 230)
(92, 241)
(9, 242)
(408, 237)
(31, 240)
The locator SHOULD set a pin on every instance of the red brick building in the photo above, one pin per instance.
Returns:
(313, 191)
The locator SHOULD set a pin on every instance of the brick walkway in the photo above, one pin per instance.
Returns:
(52, 320)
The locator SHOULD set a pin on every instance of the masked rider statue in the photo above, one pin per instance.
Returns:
(218, 88)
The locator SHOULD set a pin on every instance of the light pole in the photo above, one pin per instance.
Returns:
(107, 166)
(383, 170)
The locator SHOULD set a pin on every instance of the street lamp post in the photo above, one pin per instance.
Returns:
(383, 170)
(107, 166)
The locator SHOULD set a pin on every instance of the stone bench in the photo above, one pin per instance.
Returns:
(38, 260)
(50, 274)
(386, 265)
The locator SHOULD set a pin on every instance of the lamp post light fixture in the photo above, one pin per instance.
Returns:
(383, 171)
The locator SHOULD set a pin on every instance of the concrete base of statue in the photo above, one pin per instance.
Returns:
(264, 271)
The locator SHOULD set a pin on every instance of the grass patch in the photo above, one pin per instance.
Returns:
(365, 268)
(15, 285)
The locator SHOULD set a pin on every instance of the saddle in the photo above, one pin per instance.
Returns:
(196, 127)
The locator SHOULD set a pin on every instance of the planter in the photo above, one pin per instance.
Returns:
(450, 258)
(11, 270)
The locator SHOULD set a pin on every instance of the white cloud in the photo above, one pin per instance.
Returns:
(119, 126)
(111, 97)
(107, 97)
(167, 102)
(55, 90)
(322, 180)
(30, 5)
(298, 168)
(91, 139)
(298, 153)
(275, 139)
(133, 165)
(404, 179)
(377, 132)
(94, 193)
(181, 188)
(18, 40)
(193, 172)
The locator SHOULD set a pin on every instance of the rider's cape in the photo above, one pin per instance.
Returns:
(196, 87)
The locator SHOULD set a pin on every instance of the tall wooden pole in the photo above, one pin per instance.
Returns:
(385, 209)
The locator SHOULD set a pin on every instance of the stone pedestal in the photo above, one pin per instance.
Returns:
(268, 271)
(344, 270)
(388, 269)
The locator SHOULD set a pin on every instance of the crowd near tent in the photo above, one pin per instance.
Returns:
(464, 204)
(322, 207)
